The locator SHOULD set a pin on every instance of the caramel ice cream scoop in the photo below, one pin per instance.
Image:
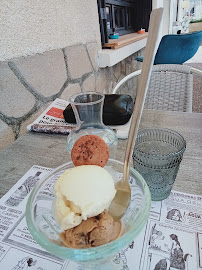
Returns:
(93, 232)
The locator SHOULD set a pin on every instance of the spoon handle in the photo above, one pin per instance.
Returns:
(150, 52)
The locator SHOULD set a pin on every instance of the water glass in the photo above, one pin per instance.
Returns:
(157, 155)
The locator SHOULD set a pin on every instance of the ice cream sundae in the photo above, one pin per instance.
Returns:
(83, 195)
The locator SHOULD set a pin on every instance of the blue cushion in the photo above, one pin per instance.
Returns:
(139, 58)
(176, 49)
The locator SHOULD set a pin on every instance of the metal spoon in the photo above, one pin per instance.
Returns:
(123, 195)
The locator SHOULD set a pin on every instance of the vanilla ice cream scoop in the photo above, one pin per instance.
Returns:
(82, 192)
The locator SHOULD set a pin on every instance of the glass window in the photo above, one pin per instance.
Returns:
(108, 13)
(123, 16)
(119, 17)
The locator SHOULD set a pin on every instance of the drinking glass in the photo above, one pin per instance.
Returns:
(88, 110)
(157, 155)
(45, 230)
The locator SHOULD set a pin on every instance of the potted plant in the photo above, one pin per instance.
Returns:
(195, 25)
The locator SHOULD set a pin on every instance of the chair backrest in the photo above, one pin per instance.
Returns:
(177, 49)
(170, 88)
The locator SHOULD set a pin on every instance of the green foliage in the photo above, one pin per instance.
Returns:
(196, 21)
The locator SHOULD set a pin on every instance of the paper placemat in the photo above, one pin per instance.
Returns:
(171, 238)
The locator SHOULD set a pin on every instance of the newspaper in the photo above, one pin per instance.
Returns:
(52, 121)
(171, 239)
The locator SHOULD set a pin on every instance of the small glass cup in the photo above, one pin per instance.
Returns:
(45, 230)
(88, 111)
(157, 155)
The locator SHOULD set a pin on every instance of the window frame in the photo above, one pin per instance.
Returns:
(141, 12)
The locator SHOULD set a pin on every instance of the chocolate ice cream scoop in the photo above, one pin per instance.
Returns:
(93, 232)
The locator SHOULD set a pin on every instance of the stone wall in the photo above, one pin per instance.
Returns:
(29, 84)
(28, 27)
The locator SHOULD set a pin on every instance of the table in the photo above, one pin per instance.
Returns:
(50, 151)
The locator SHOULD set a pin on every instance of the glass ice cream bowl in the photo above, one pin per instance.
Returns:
(45, 230)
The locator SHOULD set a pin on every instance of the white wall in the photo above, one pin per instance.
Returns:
(28, 27)
(166, 13)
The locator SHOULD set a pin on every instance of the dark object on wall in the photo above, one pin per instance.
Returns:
(117, 110)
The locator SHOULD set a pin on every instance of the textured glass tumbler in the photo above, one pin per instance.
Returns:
(157, 155)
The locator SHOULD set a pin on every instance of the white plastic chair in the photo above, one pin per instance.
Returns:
(170, 87)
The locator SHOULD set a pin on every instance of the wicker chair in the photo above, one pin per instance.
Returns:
(170, 87)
